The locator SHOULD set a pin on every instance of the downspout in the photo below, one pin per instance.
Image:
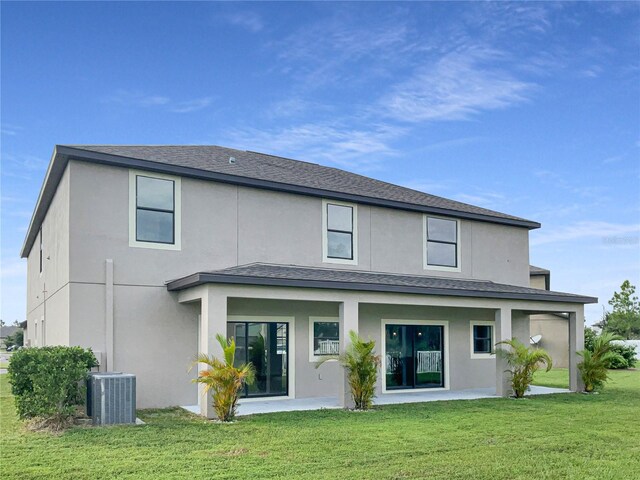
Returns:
(109, 362)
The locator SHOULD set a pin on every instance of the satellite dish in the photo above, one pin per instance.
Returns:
(535, 339)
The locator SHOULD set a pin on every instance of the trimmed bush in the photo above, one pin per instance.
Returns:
(626, 356)
(47, 382)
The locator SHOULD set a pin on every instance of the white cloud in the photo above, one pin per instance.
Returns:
(24, 162)
(330, 143)
(250, 21)
(140, 100)
(192, 105)
(10, 130)
(14, 269)
(455, 87)
(604, 232)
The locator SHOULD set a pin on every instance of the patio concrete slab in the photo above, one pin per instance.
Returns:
(255, 406)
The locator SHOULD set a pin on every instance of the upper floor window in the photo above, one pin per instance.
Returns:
(441, 237)
(340, 232)
(155, 211)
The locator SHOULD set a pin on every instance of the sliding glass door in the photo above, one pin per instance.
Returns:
(414, 356)
(266, 345)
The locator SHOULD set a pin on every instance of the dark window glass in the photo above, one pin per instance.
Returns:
(326, 339)
(339, 231)
(414, 356)
(40, 249)
(155, 210)
(442, 242)
(482, 338)
(266, 346)
(339, 245)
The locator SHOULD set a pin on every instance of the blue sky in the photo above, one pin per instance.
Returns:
(530, 108)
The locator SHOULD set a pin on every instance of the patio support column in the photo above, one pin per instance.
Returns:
(213, 320)
(576, 343)
(348, 322)
(503, 332)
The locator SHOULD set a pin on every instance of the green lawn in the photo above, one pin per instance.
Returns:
(566, 436)
(557, 378)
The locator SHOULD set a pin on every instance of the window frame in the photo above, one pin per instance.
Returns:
(425, 245)
(41, 257)
(481, 355)
(133, 211)
(325, 233)
(313, 320)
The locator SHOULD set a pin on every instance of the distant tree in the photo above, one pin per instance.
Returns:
(624, 320)
(16, 339)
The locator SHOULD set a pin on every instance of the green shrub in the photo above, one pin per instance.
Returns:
(47, 382)
(595, 362)
(626, 356)
(589, 337)
(523, 362)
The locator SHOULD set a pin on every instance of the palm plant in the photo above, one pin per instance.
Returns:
(523, 362)
(361, 365)
(224, 379)
(593, 367)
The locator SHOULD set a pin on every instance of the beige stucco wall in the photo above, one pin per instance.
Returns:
(538, 281)
(55, 273)
(155, 337)
(225, 225)
(555, 337)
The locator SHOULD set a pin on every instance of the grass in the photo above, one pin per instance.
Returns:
(566, 436)
(557, 378)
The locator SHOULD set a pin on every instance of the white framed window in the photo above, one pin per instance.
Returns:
(441, 243)
(339, 232)
(154, 210)
(482, 339)
(41, 265)
(324, 337)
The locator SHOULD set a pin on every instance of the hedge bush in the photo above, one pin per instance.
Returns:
(47, 382)
(627, 357)
(627, 353)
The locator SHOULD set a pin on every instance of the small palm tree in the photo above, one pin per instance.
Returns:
(361, 365)
(593, 367)
(523, 362)
(224, 379)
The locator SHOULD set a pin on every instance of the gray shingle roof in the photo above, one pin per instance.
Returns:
(294, 276)
(287, 171)
(533, 270)
(8, 330)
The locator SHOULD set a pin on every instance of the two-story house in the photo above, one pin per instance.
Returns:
(144, 253)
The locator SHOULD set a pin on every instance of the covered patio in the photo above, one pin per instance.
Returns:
(319, 403)
(365, 302)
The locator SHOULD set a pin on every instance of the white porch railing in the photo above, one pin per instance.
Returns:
(427, 361)
(328, 347)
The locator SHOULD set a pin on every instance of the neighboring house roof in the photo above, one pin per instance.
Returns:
(294, 276)
(533, 270)
(539, 272)
(256, 170)
(8, 330)
(23, 325)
